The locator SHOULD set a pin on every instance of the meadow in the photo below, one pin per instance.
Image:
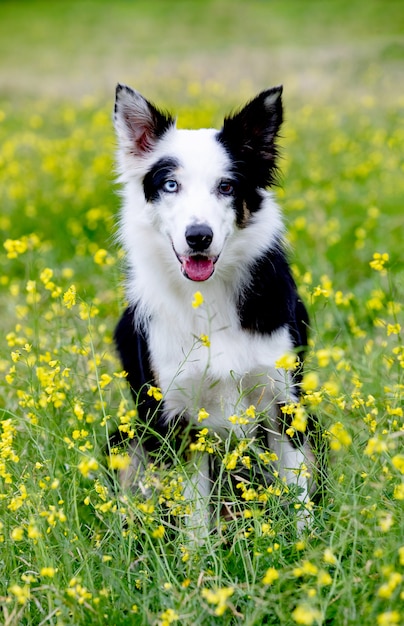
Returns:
(74, 548)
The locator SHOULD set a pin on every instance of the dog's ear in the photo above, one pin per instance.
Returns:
(250, 134)
(138, 123)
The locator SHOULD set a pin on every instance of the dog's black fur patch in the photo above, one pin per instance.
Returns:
(161, 171)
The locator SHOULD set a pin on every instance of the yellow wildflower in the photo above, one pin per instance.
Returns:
(310, 381)
(305, 614)
(219, 597)
(197, 300)
(167, 617)
(329, 557)
(48, 572)
(398, 493)
(398, 462)
(22, 594)
(201, 444)
(105, 379)
(69, 297)
(17, 534)
(205, 341)
(33, 532)
(268, 457)
(379, 261)
(320, 291)
(387, 589)
(288, 361)
(100, 256)
(299, 421)
(230, 460)
(389, 618)
(386, 523)
(375, 446)
(46, 275)
(306, 569)
(324, 578)
(250, 411)
(323, 357)
(202, 415)
(270, 576)
(339, 437)
(155, 392)
(158, 533)
(86, 466)
(119, 461)
(393, 329)
(14, 247)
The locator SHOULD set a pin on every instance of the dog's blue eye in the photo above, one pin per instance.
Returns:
(170, 186)
(226, 188)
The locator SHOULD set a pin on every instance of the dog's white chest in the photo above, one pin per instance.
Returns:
(206, 360)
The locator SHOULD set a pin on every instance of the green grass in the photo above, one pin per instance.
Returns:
(76, 550)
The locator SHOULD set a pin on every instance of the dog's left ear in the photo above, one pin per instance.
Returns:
(250, 134)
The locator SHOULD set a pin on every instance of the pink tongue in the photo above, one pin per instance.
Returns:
(198, 267)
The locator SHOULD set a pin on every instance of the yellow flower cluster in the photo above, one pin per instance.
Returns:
(16, 247)
(231, 458)
(299, 417)
(69, 297)
(218, 597)
(202, 443)
(379, 261)
(246, 416)
(7, 453)
(167, 617)
(288, 361)
(339, 436)
(198, 300)
(155, 392)
(202, 415)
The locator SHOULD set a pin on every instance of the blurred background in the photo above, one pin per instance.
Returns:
(342, 66)
(334, 50)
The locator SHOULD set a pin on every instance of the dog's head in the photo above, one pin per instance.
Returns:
(198, 188)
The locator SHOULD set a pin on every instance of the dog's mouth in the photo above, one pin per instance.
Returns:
(198, 267)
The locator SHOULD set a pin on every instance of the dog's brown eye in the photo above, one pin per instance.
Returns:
(226, 188)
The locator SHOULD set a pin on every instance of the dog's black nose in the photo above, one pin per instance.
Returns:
(199, 237)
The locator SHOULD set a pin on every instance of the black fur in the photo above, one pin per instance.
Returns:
(133, 351)
(250, 138)
(161, 171)
(270, 300)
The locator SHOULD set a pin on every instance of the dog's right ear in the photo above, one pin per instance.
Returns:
(138, 123)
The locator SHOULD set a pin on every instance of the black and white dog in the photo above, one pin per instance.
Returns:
(197, 217)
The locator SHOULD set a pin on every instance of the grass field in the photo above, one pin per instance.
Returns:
(73, 548)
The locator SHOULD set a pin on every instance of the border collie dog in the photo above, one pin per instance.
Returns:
(198, 224)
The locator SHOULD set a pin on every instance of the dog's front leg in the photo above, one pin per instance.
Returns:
(132, 477)
(197, 493)
(296, 464)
